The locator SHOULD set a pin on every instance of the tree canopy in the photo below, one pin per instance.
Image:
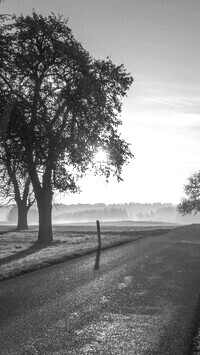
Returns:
(69, 105)
(192, 190)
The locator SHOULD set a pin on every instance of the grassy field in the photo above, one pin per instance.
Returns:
(19, 252)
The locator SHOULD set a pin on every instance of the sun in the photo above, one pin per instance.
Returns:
(101, 156)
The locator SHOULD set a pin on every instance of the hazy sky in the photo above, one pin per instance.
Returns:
(158, 42)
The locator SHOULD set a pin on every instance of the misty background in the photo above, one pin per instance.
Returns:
(76, 213)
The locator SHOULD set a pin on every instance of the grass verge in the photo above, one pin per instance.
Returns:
(20, 253)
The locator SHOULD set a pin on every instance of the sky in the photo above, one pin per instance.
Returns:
(158, 43)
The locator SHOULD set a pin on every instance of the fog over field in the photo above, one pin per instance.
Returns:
(150, 212)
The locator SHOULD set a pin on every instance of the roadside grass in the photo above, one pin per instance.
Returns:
(20, 253)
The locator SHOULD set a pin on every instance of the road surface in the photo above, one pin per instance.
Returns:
(143, 300)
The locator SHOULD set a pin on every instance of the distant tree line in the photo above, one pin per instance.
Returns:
(155, 212)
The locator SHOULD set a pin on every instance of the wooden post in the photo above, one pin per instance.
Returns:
(96, 266)
(99, 234)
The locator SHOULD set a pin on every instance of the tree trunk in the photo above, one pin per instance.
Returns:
(22, 223)
(43, 194)
(45, 235)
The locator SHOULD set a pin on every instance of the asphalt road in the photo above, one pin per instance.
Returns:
(143, 300)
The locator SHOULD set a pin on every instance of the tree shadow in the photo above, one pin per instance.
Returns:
(23, 253)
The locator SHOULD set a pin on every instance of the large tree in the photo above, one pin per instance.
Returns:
(191, 203)
(69, 107)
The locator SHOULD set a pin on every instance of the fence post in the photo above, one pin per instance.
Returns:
(96, 266)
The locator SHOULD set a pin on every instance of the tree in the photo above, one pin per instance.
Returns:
(15, 181)
(192, 190)
(15, 187)
(69, 105)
